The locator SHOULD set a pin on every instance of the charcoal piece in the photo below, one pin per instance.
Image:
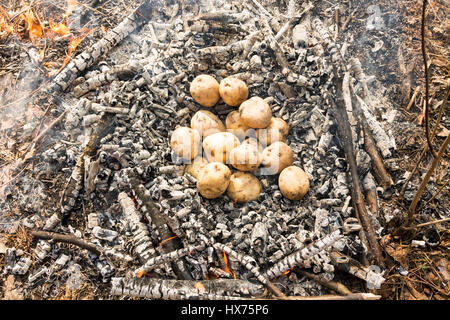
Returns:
(9, 260)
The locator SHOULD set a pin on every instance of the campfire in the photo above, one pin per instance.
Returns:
(107, 137)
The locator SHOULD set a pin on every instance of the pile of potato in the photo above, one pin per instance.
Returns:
(251, 139)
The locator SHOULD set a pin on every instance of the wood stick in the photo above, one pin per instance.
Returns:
(353, 296)
(299, 257)
(51, 125)
(74, 184)
(169, 289)
(339, 112)
(144, 248)
(372, 200)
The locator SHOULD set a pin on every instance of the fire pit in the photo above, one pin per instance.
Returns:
(96, 203)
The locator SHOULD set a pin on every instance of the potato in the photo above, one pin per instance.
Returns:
(217, 147)
(243, 187)
(234, 125)
(293, 183)
(213, 180)
(276, 131)
(206, 123)
(255, 113)
(233, 91)
(205, 90)
(245, 157)
(196, 166)
(185, 142)
(276, 157)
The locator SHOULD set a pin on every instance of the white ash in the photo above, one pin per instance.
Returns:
(104, 234)
(22, 266)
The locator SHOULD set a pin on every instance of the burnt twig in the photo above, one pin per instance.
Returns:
(347, 264)
(353, 296)
(142, 242)
(338, 110)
